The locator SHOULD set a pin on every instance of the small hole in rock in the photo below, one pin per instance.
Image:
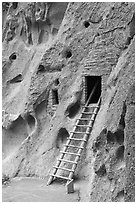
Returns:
(86, 24)
(15, 5)
(55, 31)
(101, 171)
(16, 79)
(13, 56)
(68, 54)
(128, 41)
(41, 68)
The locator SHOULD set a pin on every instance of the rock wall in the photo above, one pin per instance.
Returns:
(48, 49)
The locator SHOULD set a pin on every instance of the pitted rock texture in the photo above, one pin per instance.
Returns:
(48, 49)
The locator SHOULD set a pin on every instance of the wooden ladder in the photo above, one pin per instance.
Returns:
(74, 145)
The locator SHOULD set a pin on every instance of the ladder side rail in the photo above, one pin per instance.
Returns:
(99, 101)
(74, 165)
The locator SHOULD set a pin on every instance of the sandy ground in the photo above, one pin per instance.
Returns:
(36, 190)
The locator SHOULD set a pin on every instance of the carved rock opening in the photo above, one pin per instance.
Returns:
(15, 5)
(41, 68)
(13, 56)
(132, 27)
(86, 24)
(14, 136)
(41, 107)
(101, 171)
(61, 137)
(31, 123)
(110, 137)
(117, 137)
(16, 79)
(55, 99)
(93, 83)
(100, 141)
(119, 197)
(120, 153)
(119, 134)
(54, 31)
(56, 82)
(41, 36)
(41, 113)
(67, 53)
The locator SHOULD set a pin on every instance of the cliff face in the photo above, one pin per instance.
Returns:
(48, 49)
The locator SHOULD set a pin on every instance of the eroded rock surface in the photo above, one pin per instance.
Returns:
(48, 49)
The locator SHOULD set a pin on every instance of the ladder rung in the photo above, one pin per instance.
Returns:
(77, 139)
(91, 106)
(65, 169)
(63, 177)
(67, 161)
(88, 119)
(70, 153)
(74, 146)
(79, 132)
(88, 113)
(83, 119)
(83, 125)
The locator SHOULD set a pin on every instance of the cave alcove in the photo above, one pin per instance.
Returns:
(31, 123)
(61, 137)
(16, 79)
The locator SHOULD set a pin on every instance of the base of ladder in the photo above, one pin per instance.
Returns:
(70, 186)
(50, 180)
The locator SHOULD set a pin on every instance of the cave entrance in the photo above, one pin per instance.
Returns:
(92, 89)
(55, 99)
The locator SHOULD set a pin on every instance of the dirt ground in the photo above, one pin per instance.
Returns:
(36, 190)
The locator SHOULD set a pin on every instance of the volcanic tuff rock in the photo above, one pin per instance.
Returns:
(48, 49)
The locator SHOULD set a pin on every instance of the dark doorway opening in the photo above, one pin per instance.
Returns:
(93, 88)
(55, 98)
(56, 82)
